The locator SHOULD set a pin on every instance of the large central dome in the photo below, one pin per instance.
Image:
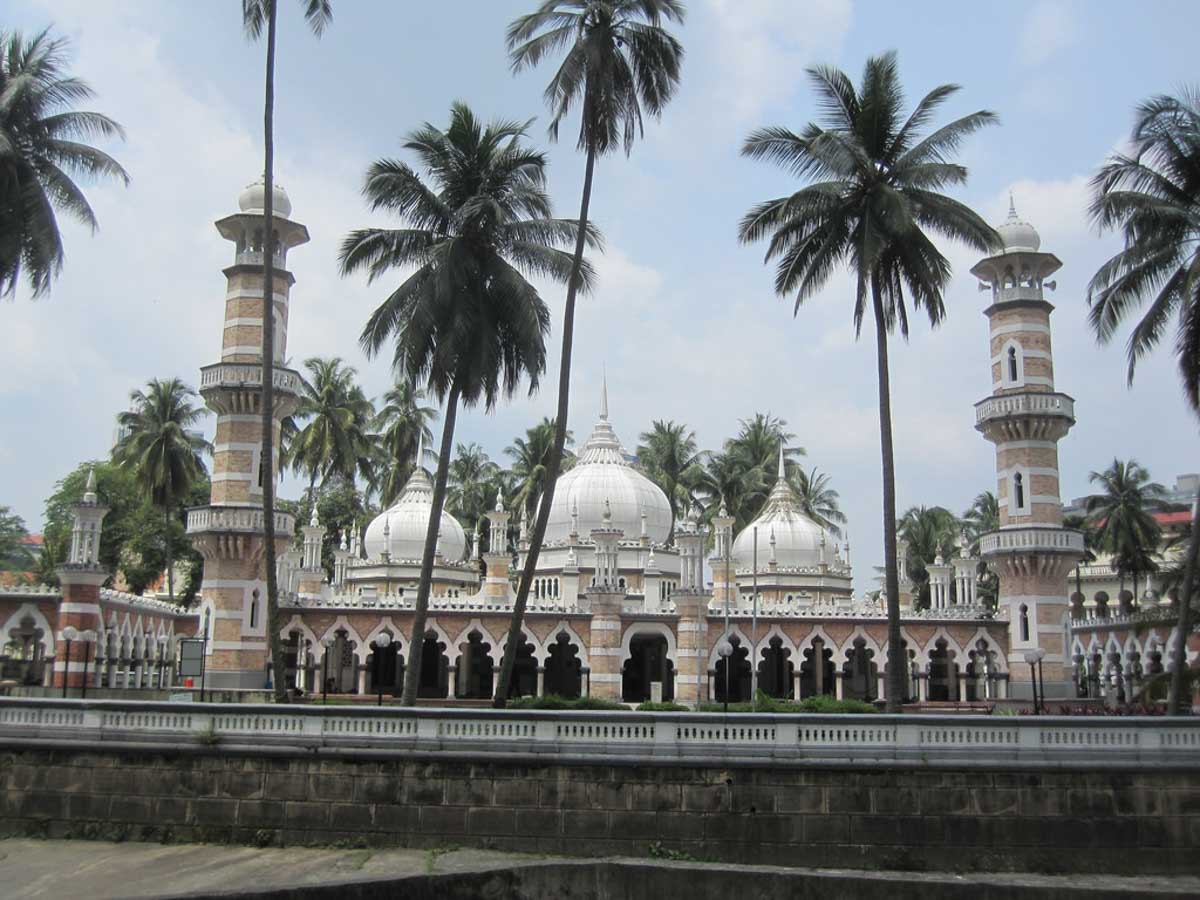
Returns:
(603, 474)
(406, 521)
(799, 541)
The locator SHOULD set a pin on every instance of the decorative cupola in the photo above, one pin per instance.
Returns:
(313, 533)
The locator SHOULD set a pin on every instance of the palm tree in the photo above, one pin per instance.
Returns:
(726, 481)
(466, 322)
(162, 449)
(982, 517)
(401, 425)
(471, 484)
(757, 447)
(531, 459)
(619, 60)
(873, 194)
(42, 148)
(669, 458)
(1122, 516)
(931, 531)
(1152, 195)
(258, 15)
(817, 498)
(336, 416)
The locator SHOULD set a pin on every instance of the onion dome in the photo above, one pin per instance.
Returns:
(251, 200)
(400, 529)
(1017, 234)
(602, 479)
(786, 533)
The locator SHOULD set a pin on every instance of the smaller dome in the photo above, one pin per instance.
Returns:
(401, 528)
(251, 199)
(1018, 235)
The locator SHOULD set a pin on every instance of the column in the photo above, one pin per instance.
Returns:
(839, 678)
(796, 692)
(452, 671)
(362, 678)
(541, 681)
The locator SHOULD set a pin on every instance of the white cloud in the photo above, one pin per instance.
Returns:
(1050, 28)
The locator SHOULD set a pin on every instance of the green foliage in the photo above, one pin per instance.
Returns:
(822, 703)
(341, 507)
(401, 426)
(336, 415)
(473, 481)
(667, 454)
(930, 531)
(1121, 516)
(658, 851)
(14, 555)
(44, 143)
(530, 455)
(553, 701)
(665, 706)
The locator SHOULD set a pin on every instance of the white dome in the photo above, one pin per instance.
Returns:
(799, 541)
(1018, 235)
(251, 199)
(407, 521)
(603, 474)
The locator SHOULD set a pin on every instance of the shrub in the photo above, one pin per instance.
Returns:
(554, 701)
(822, 703)
(665, 706)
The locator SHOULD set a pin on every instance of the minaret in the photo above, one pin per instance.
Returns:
(229, 532)
(497, 558)
(1026, 418)
(80, 578)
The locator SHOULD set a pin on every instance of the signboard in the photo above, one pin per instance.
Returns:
(180, 697)
(191, 657)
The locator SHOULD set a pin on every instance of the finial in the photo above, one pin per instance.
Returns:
(89, 492)
(723, 512)
(499, 505)
(781, 472)
(650, 559)
(604, 395)
(607, 512)
(342, 544)
(314, 522)
(643, 520)
(420, 449)
(387, 526)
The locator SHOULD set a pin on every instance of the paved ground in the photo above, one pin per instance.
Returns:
(96, 870)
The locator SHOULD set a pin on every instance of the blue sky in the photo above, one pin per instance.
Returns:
(684, 318)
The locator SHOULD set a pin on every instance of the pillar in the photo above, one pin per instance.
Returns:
(80, 578)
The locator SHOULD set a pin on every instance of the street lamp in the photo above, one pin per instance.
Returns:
(68, 634)
(725, 650)
(327, 643)
(1034, 659)
(381, 643)
(87, 637)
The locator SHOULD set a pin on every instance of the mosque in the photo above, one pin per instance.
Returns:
(621, 607)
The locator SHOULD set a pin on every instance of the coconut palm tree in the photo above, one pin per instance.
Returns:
(871, 201)
(259, 16)
(471, 484)
(668, 456)
(1152, 195)
(817, 498)
(336, 415)
(1122, 515)
(726, 481)
(465, 322)
(162, 448)
(620, 60)
(43, 147)
(980, 518)
(531, 460)
(756, 447)
(401, 426)
(931, 531)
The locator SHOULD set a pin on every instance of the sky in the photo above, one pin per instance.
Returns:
(684, 319)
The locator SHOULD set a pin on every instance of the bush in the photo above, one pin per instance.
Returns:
(665, 706)
(822, 703)
(554, 701)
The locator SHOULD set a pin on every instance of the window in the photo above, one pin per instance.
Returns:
(1019, 491)
(254, 609)
(1024, 624)
(1012, 363)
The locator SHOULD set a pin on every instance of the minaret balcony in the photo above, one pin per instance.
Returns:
(1043, 416)
(1047, 539)
(236, 519)
(236, 388)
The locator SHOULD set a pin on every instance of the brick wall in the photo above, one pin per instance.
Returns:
(950, 820)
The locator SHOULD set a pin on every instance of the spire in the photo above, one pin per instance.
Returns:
(89, 492)
(604, 395)
(499, 505)
(781, 472)
(420, 449)
(1012, 208)
(314, 522)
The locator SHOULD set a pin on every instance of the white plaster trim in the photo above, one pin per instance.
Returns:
(1028, 354)
(1018, 328)
(245, 293)
(1027, 445)
(231, 476)
(238, 645)
(1031, 470)
(242, 418)
(603, 678)
(244, 350)
(235, 445)
(238, 583)
(253, 322)
(68, 607)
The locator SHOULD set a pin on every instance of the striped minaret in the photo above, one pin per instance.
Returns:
(229, 532)
(1026, 418)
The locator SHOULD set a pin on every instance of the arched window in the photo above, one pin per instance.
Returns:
(1024, 623)
(1019, 490)
(1012, 363)
(254, 609)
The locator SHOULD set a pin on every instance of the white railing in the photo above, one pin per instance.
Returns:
(910, 740)
(1024, 405)
(236, 518)
(247, 374)
(1034, 539)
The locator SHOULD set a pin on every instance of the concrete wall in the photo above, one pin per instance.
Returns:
(1055, 821)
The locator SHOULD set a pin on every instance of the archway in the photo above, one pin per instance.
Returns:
(776, 670)
(943, 673)
(860, 672)
(340, 669)
(475, 667)
(816, 670)
(736, 687)
(387, 669)
(647, 662)
(564, 669)
(23, 659)
(982, 669)
(524, 674)
(435, 668)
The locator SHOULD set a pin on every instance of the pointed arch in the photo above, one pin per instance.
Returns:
(581, 647)
(860, 632)
(776, 632)
(39, 621)
(452, 653)
(818, 632)
(386, 624)
(734, 631)
(464, 637)
(341, 623)
(637, 628)
(951, 644)
(295, 623)
(981, 634)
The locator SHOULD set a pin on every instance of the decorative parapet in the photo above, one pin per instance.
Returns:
(242, 375)
(1031, 404)
(242, 519)
(1032, 539)
(107, 595)
(27, 590)
(878, 741)
(855, 611)
(397, 603)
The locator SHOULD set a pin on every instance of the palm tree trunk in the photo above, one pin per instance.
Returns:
(268, 369)
(170, 556)
(1183, 628)
(897, 664)
(412, 675)
(554, 464)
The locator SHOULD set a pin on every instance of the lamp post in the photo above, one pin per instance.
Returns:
(1034, 659)
(725, 650)
(381, 643)
(327, 643)
(87, 637)
(68, 634)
